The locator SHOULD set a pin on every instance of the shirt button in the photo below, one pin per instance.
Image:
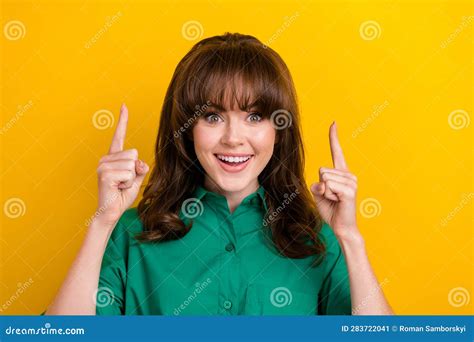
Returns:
(229, 247)
(227, 304)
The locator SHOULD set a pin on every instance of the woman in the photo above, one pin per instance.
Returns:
(227, 225)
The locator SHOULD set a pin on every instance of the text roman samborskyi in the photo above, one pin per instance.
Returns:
(431, 328)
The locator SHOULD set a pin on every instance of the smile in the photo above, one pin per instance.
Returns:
(233, 163)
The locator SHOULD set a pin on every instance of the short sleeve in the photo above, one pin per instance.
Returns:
(113, 274)
(335, 295)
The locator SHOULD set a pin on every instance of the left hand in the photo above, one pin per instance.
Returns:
(335, 194)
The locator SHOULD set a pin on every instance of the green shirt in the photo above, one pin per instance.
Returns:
(225, 265)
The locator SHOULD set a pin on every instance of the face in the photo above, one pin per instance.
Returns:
(233, 147)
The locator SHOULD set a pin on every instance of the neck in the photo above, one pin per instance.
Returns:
(234, 198)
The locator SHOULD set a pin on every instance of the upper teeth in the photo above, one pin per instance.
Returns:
(233, 159)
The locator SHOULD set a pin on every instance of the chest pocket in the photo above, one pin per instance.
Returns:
(280, 300)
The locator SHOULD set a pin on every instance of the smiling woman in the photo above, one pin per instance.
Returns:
(227, 224)
(253, 112)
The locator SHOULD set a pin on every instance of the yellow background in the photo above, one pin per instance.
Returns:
(81, 57)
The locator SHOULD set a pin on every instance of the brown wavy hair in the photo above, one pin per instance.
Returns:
(214, 68)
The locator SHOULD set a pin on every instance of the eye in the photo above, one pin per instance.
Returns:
(255, 117)
(211, 117)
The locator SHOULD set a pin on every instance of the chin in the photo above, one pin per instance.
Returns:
(233, 185)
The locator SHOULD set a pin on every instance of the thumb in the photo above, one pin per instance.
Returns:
(318, 189)
(141, 169)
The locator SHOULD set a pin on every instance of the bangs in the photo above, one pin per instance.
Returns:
(232, 77)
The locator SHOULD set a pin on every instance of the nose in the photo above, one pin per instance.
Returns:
(232, 135)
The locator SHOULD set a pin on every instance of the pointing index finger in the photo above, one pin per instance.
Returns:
(336, 150)
(120, 131)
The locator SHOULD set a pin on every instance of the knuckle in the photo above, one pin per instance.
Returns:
(103, 177)
(134, 153)
(350, 193)
(350, 184)
(105, 166)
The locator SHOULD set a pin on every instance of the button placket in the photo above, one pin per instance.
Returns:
(227, 303)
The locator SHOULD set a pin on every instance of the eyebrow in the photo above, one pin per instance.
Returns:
(222, 109)
(218, 107)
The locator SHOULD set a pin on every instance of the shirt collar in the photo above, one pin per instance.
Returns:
(258, 195)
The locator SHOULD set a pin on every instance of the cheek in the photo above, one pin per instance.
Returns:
(204, 139)
(263, 140)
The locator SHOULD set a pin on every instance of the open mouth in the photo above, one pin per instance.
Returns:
(233, 163)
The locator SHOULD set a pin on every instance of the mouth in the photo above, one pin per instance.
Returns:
(233, 163)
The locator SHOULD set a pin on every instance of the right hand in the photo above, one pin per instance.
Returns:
(120, 175)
